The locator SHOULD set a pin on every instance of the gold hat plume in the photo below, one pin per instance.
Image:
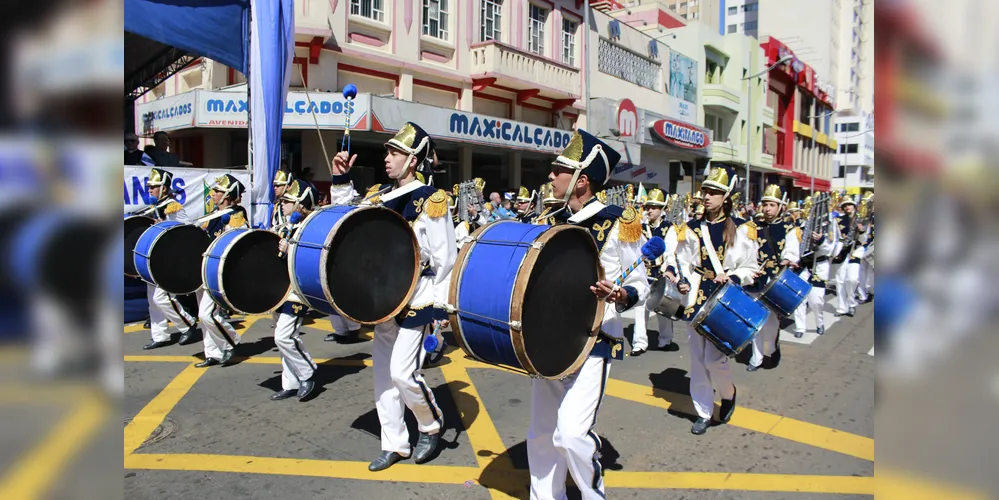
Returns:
(523, 195)
(772, 193)
(629, 192)
(283, 178)
(548, 193)
(479, 183)
(698, 195)
(656, 198)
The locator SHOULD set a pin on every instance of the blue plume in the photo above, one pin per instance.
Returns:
(654, 248)
(295, 218)
(349, 91)
(430, 343)
(225, 219)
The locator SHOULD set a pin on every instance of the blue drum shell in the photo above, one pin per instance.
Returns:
(489, 289)
(211, 267)
(730, 319)
(178, 256)
(785, 293)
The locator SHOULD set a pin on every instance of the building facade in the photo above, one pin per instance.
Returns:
(855, 157)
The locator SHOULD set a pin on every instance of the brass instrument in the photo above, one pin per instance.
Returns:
(469, 194)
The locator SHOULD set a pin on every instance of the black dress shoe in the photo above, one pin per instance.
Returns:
(425, 447)
(352, 337)
(727, 408)
(384, 461)
(775, 358)
(820, 330)
(285, 394)
(671, 347)
(798, 335)
(208, 362)
(147, 325)
(851, 312)
(156, 344)
(752, 368)
(638, 352)
(305, 388)
(187, 337)
(227, 357)
(700, 426)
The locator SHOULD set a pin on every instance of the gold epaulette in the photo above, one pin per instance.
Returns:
(436, 205)
(681, 232)
(172, 207)
(751, 230)
(630, 226)
(797, 232)
(237, 219)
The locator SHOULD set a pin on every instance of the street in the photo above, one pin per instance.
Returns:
(801, 430)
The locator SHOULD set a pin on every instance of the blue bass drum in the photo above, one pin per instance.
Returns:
(361, 262)
(243, 272)
(521, 297)
(785, 293)
(169, 255)
(134, 226)
(730, 319)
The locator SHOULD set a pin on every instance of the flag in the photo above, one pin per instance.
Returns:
(209, 203)
(642, 196)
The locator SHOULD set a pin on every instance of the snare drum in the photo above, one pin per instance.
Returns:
(135, 225)
(242, 271)
(785, 293)
(521, 296)
(361, 262)
(665, 299)
(169, 255)
(730, 319)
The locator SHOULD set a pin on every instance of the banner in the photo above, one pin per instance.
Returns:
(228, 110)
(682, 77)
(190, 186)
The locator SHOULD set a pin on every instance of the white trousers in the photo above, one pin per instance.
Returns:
(765, 341)
(641, 336)
(561, 438)
(342, 325)
(816, 300)
(219, 335)
(865, 280)
(163, 308)
(398, 356)
(296, 363)
(709, 371)
(847, 278)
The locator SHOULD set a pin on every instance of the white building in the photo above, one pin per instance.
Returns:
(855, 137)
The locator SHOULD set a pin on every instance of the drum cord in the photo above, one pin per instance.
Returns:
(450, 309)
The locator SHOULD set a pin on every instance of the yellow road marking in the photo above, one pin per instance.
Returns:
(40, 468)
(846, 485)
(152, 415)
(401, 472)
(259, 360)
(895, 484)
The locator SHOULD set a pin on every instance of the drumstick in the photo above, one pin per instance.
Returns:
(295, 218)
(651, 251)
(316, 121)
(349, 93)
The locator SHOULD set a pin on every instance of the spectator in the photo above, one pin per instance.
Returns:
(133, 155)
(160, 153)
(503, 211)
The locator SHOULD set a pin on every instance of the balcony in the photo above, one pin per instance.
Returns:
(724, 151)
(768, 114)
(719, 96)
(312, 18)
(521, 70)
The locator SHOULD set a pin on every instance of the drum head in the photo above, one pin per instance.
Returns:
(175, 259)
(69, 263)
(371, 266)
(559, 308)
(254, 279)
(134, 227)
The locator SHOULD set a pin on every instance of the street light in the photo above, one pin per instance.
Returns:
(749, 117)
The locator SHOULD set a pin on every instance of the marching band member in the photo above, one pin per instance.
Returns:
(564, 412)
(523, 205)
(656, 226)
(815, 269)
(398, 344)
(735, 260)
(779, 241)
(345, 331)
(163, 307)
(551, 212)
(220, 337)
(282, 180)
(297, 366)
(847, 258)
(865, 281)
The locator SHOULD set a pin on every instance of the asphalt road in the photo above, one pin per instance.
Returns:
(802, 430)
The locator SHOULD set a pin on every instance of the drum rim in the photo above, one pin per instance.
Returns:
(770, 285)
(204, 269)
(163, 230)
(520, 288)
(769, 304)
(708, 305)
(134, 216)
(292, 252)
(453, 293)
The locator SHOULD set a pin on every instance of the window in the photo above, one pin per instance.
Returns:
(709, 76)
(692, 3)
(805, 110)
(733, 10)
(731, 28)
(751, 7)
(695, 15)
(750, 26)
(683, 5)
(569, 42)
(715, 124)
(490, 20)
(850, 127)
(536, 30)
(851, 148)
(435, 18)
(371, 9)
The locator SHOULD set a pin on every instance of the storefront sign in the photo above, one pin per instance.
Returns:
(627, 119)
(389, 115)
(680, 134)
(229, 110)
(168, 113)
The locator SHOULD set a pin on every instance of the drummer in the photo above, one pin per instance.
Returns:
(779, 241)
(220, 337)
(398, 343)
(815, 269)
(561, 436)
(523, 205)
(734, 260)
(297, 366)
(164, 307)
(657, 225)
(282, 179)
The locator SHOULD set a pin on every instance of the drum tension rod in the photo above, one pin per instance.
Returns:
(515, 325)
(535, 244)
